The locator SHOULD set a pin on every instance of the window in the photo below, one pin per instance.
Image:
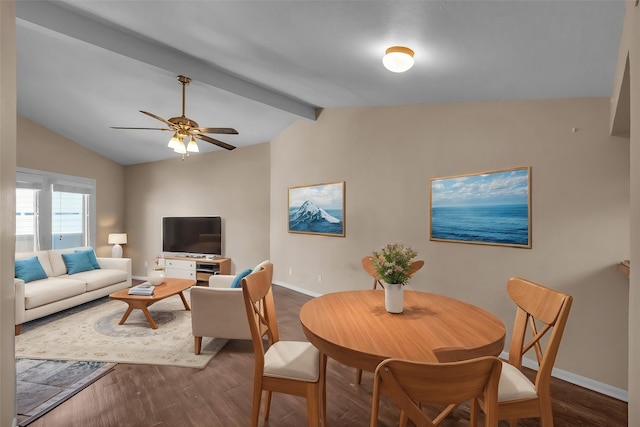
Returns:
(53, 211)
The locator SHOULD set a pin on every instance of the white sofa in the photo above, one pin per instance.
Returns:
(60, 290)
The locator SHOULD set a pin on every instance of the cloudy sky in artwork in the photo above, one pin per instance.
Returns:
(492, 188)
(326, 196)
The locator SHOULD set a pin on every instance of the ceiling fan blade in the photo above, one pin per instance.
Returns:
(226, 131)
(121, 127)
(214, 141)
(159, 118)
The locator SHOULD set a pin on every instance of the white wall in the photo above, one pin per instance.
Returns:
(387, 155)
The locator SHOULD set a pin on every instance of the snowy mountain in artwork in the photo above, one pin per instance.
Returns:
(312, 218)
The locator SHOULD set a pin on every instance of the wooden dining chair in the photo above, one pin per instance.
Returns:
(544, 311)
(289, 367)
(411, 383)
(367, 264)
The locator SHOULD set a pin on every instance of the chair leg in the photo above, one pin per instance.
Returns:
(375, 405)
(404, 419)
(255, 405)
(358, 376)
(474, 410)
(513, 422)
(267, 404)
(546, 419)
(197, 345)
(313, 400)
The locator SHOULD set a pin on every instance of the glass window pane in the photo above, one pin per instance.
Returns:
(26, 220)
(67, 222)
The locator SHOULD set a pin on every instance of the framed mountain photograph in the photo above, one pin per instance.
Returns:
(491, 208)
(317, 209)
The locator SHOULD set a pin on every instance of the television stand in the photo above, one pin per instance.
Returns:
(199, 269)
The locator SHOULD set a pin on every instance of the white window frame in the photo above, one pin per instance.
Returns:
(48, 182)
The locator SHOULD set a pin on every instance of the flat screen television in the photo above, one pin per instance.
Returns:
(192, 235)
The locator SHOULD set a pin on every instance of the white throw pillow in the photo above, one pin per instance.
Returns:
(259, 266)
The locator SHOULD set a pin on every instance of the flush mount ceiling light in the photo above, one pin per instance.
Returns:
(398, 59)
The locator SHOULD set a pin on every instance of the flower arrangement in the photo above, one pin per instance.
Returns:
(392, 263)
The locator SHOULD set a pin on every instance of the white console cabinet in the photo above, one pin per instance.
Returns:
(198, 269)
(180, 269)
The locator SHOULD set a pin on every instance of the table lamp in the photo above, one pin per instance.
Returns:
(117, 239)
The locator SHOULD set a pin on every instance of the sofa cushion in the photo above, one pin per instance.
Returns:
(29, 269)
(41, 292)
(43, 257)
(57, 263)
(92, 257)
(77, 262)
(237, 281)
(97, 279)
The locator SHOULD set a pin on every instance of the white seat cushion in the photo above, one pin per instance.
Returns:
(292, 359)
(46, 291)
(97, 279)
(514, 384)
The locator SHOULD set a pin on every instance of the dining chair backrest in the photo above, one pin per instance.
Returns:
(259, 302)
(411, 383)
(543, 311)
(367, 264)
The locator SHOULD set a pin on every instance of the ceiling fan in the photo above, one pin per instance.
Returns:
(183, 128)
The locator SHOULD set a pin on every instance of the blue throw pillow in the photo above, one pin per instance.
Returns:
(237, 282)
(29, 269)
(77, 262)
(92, 257)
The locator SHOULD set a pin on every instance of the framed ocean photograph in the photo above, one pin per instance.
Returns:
(317, 209)
(490, 208)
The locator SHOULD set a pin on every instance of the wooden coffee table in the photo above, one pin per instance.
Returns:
(168, 288)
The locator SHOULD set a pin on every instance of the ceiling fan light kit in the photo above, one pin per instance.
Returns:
(193, 147)
(398, 59)
(183, 127)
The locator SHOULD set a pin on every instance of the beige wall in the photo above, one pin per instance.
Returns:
(630, 47)
(386, 156)
(7, 211)
(231, 184)
(45, 150)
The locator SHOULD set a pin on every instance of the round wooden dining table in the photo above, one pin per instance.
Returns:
(354, 328)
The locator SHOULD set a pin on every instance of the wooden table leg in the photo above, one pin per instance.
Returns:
(184, 301)
(149, 318)
(142, 305)
(126, 314)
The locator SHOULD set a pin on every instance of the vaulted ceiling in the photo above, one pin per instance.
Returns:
(258, 66)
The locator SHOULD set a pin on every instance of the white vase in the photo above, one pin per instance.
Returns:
(394, 297)
(155, 277)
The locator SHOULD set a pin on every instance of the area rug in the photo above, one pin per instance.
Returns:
(44, 384)
(90, 332)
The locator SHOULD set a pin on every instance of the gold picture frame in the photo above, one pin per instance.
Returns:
(317, 209)
(488, 208)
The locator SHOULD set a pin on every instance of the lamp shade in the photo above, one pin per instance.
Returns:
(117, 238)
(398, 59)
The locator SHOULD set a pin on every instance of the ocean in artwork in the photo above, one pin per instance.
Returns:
(503, 224)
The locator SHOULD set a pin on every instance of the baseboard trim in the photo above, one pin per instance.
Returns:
(588, 383)
(297, 289)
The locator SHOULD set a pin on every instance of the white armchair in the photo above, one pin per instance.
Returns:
(218, 310)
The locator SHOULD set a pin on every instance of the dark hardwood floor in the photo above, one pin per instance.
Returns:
(220, 394)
